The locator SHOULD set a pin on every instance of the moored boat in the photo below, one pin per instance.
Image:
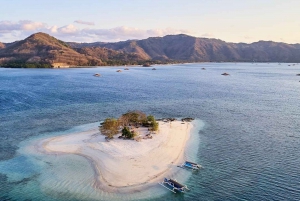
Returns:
(191, 165)
(173, 185)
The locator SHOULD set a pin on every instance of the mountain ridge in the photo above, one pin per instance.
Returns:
(43, 50)
(193, 49)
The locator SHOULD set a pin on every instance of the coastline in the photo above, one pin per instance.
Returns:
(124, 166)
(152, 65)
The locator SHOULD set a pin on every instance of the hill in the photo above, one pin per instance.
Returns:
(2, 45)
(43, 50)
(111, 57)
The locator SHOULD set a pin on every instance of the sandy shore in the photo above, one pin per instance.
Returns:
(126, 165)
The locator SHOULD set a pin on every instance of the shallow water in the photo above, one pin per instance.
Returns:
(249, 146)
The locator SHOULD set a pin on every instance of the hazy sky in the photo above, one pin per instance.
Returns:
(114, 20)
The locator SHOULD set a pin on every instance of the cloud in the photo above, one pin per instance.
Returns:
(69, 29)
(124, 33)
(83, 22)
(29, 25)
(22, 25)
(53, 29)
(21, 29)
(209, 35)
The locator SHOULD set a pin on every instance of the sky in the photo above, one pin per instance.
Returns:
(117, 20)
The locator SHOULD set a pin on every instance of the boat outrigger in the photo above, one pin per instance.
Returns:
(191, 165)
(173, 185)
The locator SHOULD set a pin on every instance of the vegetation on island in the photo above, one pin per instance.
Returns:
(151, 122)
(126, 123)
(126, 133)
(110, 127)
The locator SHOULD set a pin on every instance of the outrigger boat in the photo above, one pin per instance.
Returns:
(191, 165)
(172, 185)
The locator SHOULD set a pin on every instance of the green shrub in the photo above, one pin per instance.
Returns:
(127, 133)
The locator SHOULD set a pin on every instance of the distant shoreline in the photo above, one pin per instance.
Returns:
(169, 64)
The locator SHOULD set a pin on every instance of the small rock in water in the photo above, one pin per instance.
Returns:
(187, 119)
(168, 119)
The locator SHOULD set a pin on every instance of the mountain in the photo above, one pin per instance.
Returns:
(111, 57)
(191, 49)
(2, 45)
(43, 50)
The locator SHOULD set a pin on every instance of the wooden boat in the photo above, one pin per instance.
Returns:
(173, 185)
(191, 165)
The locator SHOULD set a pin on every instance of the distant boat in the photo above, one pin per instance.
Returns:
(126, 69)
(225, 74)
(119, 71)
(173, 184)
(153, 68)
(97, 75)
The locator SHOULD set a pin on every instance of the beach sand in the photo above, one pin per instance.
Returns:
(126, 165)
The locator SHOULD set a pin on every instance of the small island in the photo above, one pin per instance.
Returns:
(130, 153)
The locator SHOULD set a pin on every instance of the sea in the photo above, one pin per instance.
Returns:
(247, 137)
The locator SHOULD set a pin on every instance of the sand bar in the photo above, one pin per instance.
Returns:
(127, 165)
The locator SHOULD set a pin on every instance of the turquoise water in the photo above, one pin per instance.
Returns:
(249, 145)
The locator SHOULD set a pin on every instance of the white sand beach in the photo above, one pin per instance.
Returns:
(126, 165)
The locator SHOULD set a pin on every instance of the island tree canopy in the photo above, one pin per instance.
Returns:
(152, 123)
(132, 118)
(110, 127)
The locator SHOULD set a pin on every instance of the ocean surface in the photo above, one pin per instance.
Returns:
(248, 144)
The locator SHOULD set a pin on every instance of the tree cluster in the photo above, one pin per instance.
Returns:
(152, 123)
(112, 126)
(17, 64)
